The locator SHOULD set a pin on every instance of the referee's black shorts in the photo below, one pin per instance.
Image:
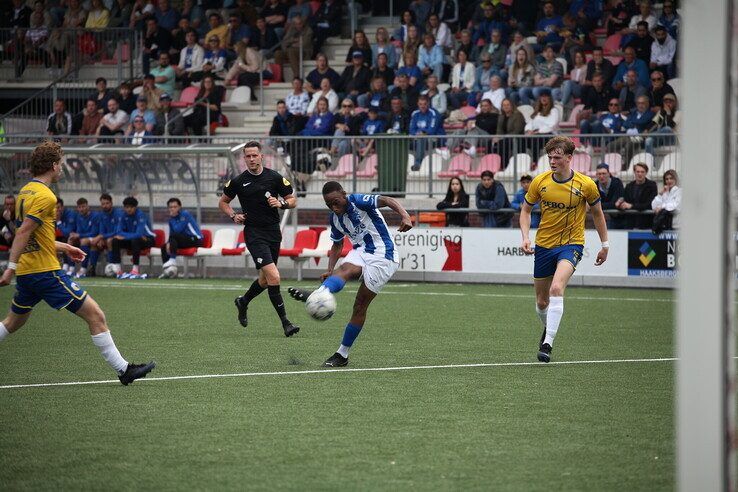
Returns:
(263, 244)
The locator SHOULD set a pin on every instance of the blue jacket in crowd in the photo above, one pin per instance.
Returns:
(184, 224)
(372, 127)
(108, 222)
(134, 226)
(430, 122)
(319, 124)
(639, 121)
(612, 122)
(517, 204)
(68, 222)
(88, 226)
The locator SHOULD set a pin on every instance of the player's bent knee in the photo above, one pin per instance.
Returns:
(557, 290)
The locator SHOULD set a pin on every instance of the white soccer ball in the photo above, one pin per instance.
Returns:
(171, 271)
(110, 270)
(321, 304)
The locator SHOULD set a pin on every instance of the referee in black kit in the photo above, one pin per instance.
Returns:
(261, 192)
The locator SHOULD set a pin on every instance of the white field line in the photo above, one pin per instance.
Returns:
(145, 284)
(344, 370)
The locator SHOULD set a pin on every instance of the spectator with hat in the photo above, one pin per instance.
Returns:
(143, 111)
(139, 135)
(355, 78)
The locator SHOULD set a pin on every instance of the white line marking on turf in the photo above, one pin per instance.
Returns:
(350, 369)
(214, 287)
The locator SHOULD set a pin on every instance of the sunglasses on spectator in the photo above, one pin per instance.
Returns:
(486, 61)
(656, 79)
(347, 105)
(614, 104)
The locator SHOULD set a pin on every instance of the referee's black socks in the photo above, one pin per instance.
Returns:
(276, 297)
(253, 291)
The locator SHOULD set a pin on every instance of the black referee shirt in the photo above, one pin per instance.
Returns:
(253, 192)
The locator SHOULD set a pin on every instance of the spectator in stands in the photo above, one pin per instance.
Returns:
(377, 97)
(421, 9)
(447, 11)
(411, 69)
(544, 122)
(659, 88)
(497, 50)
(645, 15)
(547, 79)
(424, 121)
(619, 17)
(120, 13)
(383, 46)
(60, 121)
(345, 123)
(456, 197)
(283, 125)
(247, 68)
(142, 110)
(360, 43)
(398, 120)
(73, 19)
(631, 91)
(521, 75)
(238, 32)
(519, 41)
(595, 98)
(495, 94)
(7, 221)
(33, 45)
(150, 92)
(630, 62)
(297, 103)
(373, 125)
(141, 11)
(465, 44)
(20, 14)
(319, 124)
(484, 124)
(190, 59)
(301, 9)
(179, 40)
(575, 85)
(490, 20)
(491, 195)
(664, 125)
(217, 29)
(289, 51)
(66, 223)
(430, 58)
(184, 232)
(90, 120)
(436, 97)
(383, 70)
(667, 205)
(98, 17)
(196, 15)
(156, 40)
(519, 198)
(509, 122)
(576, 37)
(441, 33)
(609, 122)
(599, 64)
(57, 48)
(213, 62)
(328, 93)
(113, 122)
(548, 27)
(407, 93)
(102, 95)
(207, 110)
(164, 74)
(483, 73)
(134, 233)
(670, 19)
(638, 195)
(642, 42)
(663, 50)
(169, 121)
(321, 71)
(611, 190)
(126, 98)
(637, 123)
(412, 42)
(275, 16)
(326, 22)
(355, 78)
(463, 79)
(402, 33)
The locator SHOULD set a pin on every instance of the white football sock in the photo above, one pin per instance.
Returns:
(542, 314)
(104, 341)
(343, 350)
(555, 312)
(3, 332)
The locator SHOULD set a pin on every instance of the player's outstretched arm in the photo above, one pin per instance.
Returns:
(525, 210)
(388, 201)
(73, 252)
(22, 235)
(601, 225)
(225, 206)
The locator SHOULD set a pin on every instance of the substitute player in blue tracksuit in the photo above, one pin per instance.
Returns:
(66, 221)
(135, 234)
(86, 229)
(424, 121)
(183, 233)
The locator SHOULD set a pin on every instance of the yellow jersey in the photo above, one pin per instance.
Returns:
(563, 207)
(37, 202)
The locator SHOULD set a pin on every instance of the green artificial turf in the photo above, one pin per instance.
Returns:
(583, 426)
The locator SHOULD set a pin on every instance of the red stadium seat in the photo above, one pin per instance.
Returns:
(239, 249)
(612, 44)
(460, 165)
(490, 162)
(186, 98)
(347, 247)
(307, 238)
(276, 70)
(207, 242)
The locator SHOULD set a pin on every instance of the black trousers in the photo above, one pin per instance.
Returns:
(178, 241)
(134, 245)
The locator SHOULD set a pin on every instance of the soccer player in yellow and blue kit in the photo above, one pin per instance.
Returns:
(564, 196)
(39, 276)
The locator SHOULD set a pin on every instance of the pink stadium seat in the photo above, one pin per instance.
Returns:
(459, 166)
(490, 162)
(572, 121)
(612, 44)
(615, 161)
(186, 98)
(345, 167)
(469, 111)
(276, 70)
(581, 163)
(370, 167)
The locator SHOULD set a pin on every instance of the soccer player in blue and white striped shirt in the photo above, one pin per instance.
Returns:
(374, 255)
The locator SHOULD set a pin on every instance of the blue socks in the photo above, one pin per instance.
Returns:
(350, 334)
(86, 249)
(94, 255)
(334, 284)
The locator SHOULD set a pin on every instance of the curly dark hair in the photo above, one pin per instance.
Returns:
(44, 157)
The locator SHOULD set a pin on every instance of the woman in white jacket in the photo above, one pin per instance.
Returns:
(544, 122)
(327, 92)
(462, 79)
(667, 205)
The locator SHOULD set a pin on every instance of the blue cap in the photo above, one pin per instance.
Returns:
(357, 54)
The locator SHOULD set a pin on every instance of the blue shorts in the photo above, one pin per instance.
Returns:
(546, 260)
(56, 288)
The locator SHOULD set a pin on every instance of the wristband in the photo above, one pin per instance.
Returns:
(12, 265)
(283, 204)
(605, 244)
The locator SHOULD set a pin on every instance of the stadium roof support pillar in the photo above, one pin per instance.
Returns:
(705, 336)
